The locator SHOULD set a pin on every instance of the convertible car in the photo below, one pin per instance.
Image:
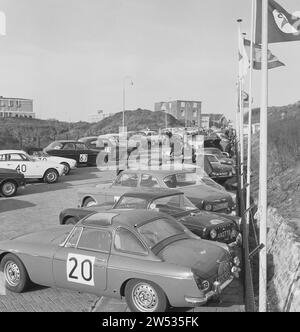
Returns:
(145, 256)
(203, 196)
(207, 225)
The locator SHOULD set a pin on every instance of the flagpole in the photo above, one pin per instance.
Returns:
(249, 153)
(263, 195)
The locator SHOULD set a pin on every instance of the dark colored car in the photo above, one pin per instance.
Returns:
(223, 157)
(207, 225)
(73, 150)
(10, 181)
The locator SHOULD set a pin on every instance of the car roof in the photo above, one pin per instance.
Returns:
(132, 218)
(158, 172)
(152, 193)
(11, 151)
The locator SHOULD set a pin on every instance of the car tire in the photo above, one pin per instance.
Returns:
(71, 221)
(8, 189)
(89, 202)
(67, 168)
(15, 274)
(51, 176)
(145, 296)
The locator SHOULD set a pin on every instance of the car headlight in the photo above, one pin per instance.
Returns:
(208, 207)
(213, 234)
(205, 285)
(234, 234)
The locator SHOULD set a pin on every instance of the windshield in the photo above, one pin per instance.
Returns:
(212, 159)
(173, 204)
(180, 180)
(28, 157)
(160, 230)
(40, 154)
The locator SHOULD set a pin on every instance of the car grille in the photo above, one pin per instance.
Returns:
(223, 232)
(220, 206)
(224, 272)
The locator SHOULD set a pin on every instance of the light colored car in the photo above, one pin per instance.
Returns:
(145, 256)
(20, 161)
(69, 164)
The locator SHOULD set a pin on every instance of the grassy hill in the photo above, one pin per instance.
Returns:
(18, 133)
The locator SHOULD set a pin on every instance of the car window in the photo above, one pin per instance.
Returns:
(72, 242)
(15, 157)
(131, 203)
(95, 240)
(127, 180)
(128, 242)
(56, 146)
(2, 157)
(69, 146)
(149, 181)
(81, 146)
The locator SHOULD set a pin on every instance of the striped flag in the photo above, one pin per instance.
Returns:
(2, 24)
(273, 61)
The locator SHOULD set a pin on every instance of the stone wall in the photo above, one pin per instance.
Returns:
(284, 264)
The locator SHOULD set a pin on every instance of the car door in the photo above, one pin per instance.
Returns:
(81, 264)
(22, 164)
(68, 151)
(83, 155)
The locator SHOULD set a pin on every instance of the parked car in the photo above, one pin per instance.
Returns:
(223, 157)
(207, 225)
(203, 196)
(73, 150)
(144, 256)
(69, 164)
(90, 142)
(10, 182)
(20, 161)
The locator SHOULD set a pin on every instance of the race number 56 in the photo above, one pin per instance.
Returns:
(83, 158)
(80, 269)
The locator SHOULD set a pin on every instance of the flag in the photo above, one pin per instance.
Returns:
(243, 58)
(2, 24)
(283, 26)
(273, 61)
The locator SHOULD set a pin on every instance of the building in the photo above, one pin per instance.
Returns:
(16, 108)
(188, 112)
(99, 116)
(216, 120)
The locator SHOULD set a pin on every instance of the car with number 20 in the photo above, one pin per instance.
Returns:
(20, 161)
(145, 256)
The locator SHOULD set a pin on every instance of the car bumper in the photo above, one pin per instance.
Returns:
(214, 293)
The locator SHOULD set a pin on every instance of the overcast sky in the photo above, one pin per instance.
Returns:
(71, 56)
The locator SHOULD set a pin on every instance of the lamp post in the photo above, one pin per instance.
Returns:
(126, 78)
(164, 109)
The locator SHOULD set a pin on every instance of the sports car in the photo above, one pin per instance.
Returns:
(145, 256)
(69, 164)
(20, 161)
(10, 182)
(207, 225)
(203, 196)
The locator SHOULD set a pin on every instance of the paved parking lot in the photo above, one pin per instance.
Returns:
(37, 208)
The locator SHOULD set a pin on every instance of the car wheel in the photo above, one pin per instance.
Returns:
(145, 296)
(71, 221)
(89, 202)
(51, 176)
(15, 274)
(9, 189)
(67, 168)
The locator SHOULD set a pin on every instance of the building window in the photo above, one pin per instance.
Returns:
(182, 112)
(195, 105)
(19, 103)
(183, 104)
(11, 103)
(2, 104)
(195, 113)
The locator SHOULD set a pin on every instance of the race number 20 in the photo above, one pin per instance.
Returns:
(80, 269)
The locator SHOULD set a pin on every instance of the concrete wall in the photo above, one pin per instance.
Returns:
(284, 289)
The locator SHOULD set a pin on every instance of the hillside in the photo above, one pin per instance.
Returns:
(34, 133)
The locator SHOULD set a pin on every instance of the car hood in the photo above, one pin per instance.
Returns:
(206, 219)
(203, 257)
(53, 236)
(205, 193)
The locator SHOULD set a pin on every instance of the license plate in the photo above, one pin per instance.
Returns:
(221, 206)
(224, 235)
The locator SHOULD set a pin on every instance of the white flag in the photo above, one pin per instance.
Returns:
(244, 63)
(2, 24)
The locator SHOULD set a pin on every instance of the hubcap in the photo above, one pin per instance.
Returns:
(12, 274)
(8, 188)
(145, 297)
(51, 177)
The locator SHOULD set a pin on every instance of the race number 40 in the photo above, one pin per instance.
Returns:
(80, 269)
